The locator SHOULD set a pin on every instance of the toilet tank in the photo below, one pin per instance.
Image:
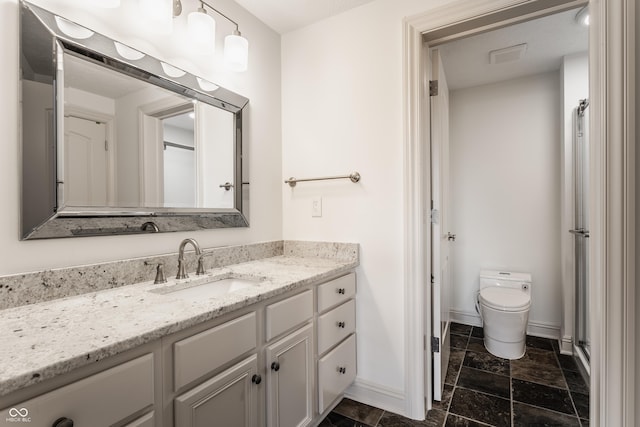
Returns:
(506, 279)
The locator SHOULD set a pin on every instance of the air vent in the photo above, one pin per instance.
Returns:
(507, 54)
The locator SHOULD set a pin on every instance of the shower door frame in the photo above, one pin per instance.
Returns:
(580, 231)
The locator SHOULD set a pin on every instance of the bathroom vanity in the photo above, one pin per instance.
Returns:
(277, 350)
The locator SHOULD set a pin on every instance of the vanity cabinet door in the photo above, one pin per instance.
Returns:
(229, 399)
(290, 379)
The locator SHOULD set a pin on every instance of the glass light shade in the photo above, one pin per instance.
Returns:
(206, 85)
(128, 53)
(72, 29)
(236, 52)
(172, 71)
(202, 32)
(106, 4)
(158, 14)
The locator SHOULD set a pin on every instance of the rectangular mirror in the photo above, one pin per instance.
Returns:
(117, 142)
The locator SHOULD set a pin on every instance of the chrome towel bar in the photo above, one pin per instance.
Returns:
(354, 177)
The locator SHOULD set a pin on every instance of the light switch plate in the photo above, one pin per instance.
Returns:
(316, 207)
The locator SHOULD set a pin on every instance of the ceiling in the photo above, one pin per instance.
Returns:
(548, 39)
(284, 16)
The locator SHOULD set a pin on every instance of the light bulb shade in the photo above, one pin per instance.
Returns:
(106, 4)
(158, 14)
(202, 32)
(236, 52)
(72, 29)
(127, 52)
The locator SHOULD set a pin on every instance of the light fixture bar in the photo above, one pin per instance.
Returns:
(221, 14)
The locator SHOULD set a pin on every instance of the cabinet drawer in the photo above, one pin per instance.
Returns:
(335, 325)
(336, 371)
(288, 313)
(204, 352)
(336, 291)
(100, 400)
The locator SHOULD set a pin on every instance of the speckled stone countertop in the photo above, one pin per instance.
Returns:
(54, 337)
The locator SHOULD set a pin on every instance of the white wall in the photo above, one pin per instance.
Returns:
(505, 178)
(261, 84)
(342, 112)
(574, 81)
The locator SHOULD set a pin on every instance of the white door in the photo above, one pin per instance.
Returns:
(85, 165)
(440, 236)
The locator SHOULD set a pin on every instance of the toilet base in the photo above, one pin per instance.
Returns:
(505, 350)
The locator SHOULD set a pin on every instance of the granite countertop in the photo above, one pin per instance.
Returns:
(43, 340)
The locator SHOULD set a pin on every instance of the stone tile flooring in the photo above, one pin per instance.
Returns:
(543, 388)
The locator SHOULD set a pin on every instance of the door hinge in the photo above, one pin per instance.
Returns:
(433, 279)
(433, 88)
(435, 345)
(106, 145)
(435, 216)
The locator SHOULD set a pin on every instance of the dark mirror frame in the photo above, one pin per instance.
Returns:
(56, 220)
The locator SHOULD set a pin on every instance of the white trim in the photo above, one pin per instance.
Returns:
(612, 210)
(536, 329)
(416, 267)
(376, 395)
(566, 345)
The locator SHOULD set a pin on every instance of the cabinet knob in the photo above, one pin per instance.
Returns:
(341, 325)
(63, 422)
(341, 291)
(342, 369)
(275, 366)
(256, 379)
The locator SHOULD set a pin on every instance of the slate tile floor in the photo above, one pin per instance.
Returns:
(544, 388)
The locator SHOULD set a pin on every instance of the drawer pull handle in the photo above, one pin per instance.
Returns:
(63, 422)
(341, 325)
(256, 379)
(341, 291)
(275, 366)
(342, 369)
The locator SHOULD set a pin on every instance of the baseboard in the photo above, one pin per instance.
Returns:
(566, 345)
(465, 317)
(536, 329)
(382, 397)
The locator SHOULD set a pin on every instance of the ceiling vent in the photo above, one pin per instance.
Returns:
(508, 54)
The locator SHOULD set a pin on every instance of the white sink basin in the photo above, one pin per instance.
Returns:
(211, 289)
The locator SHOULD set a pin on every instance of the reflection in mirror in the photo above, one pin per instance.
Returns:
(109, 146)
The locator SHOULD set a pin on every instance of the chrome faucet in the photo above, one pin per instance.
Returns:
(182, 274)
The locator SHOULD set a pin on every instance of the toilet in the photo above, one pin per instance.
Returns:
(504, 300)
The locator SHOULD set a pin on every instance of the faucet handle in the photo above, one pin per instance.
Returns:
(160, 277)
(200, 269)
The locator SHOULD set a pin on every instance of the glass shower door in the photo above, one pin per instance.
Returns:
(582, 340)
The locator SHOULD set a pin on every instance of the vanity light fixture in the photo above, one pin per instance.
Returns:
(202, 31)
(582, 17)
(201, 28)
(206, 85)
(127, 52)
(172, 71)
(72, 29)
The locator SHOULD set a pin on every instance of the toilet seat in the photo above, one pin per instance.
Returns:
(505, 299)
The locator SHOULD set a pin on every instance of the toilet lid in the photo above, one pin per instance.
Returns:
(505, 299)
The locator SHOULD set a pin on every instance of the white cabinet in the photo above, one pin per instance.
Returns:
(103, 399)
(336, 323)
(229, 399)
(290, 379)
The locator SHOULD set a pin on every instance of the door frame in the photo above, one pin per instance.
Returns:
(612, 204)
